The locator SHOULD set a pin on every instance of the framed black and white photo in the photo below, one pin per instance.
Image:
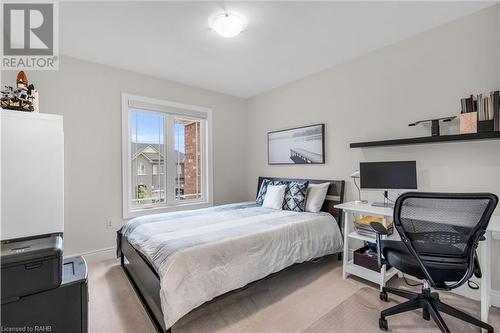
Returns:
(300, 145)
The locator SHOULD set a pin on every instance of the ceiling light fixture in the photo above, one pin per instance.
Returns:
(228, 24)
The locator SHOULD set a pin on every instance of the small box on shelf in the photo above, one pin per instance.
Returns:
(367, 258)
(485, 126)
(468, 123)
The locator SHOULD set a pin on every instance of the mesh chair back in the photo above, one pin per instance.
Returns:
(442, 226)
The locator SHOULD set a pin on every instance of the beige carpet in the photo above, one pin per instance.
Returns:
(365, 304)
(310, 297)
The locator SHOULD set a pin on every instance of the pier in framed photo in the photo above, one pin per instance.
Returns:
(300, 145)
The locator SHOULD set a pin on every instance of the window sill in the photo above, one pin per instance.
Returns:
(167, 209)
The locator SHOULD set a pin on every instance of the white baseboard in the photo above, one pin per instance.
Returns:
(96, 255)
(465, 291)
(495, 298)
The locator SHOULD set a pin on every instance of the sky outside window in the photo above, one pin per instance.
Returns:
(147, 127)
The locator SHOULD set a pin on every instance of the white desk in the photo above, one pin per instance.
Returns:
(366, 209)
(350, 210)
(485, 262)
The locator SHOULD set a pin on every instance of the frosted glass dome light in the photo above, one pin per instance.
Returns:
(227, 24)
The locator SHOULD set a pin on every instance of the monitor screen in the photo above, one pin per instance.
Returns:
(389, 175)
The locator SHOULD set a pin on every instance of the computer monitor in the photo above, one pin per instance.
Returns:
(400, 175)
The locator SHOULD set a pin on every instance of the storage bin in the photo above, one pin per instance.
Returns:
(485, 126)
(468, 123)
(365, 260)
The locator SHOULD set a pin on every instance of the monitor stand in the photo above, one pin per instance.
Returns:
(386, 202)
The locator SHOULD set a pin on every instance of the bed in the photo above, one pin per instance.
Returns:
(178, 261)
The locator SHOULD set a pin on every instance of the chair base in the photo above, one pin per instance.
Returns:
(431, 307)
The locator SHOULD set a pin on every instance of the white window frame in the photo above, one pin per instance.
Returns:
(183, 110)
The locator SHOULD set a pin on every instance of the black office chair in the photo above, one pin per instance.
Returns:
(439, 233)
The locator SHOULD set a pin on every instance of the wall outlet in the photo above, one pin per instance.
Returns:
(109, 224)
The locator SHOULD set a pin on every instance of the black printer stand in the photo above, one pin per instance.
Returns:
(61, 310)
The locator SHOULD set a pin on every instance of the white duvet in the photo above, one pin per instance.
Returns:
(204, 253)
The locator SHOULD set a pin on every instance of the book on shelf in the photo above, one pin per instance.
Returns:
(495, 103)
(468, 104)
(486, 106)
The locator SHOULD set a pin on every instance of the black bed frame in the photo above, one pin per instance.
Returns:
(146, 281)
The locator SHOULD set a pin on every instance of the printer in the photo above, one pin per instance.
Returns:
(30, 265)
(41, 291)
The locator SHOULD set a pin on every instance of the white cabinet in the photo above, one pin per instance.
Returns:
(32, 174)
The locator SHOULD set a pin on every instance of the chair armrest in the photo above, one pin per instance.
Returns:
(378, 228)
(477, 267)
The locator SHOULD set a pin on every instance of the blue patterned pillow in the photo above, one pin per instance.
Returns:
(263, 191)
(295, 196)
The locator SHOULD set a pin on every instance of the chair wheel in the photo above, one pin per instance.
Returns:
(383, 296)
(382, 324)
(425, 313)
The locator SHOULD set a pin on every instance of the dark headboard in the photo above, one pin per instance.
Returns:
(334, 196)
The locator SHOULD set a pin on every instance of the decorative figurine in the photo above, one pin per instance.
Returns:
(23, 98)
(21, 80)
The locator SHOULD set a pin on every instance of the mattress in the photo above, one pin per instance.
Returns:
(204, 253)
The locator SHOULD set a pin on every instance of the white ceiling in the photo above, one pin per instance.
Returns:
(284, 41)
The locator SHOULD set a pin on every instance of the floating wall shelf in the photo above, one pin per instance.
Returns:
(428, 139)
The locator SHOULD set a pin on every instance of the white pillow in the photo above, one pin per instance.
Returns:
(316, 194)
(274, 197)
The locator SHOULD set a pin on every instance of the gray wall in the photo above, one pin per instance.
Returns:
(88, 96)
(377, 95)
(372, 97)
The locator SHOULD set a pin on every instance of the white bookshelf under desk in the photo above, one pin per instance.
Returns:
(352, 211)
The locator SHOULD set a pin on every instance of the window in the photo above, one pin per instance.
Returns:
(166, 156)
(158, 169)
(141, 169)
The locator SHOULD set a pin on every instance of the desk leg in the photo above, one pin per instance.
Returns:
(383, 269)
(346, 231)
(486, 279)
(382, 277)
